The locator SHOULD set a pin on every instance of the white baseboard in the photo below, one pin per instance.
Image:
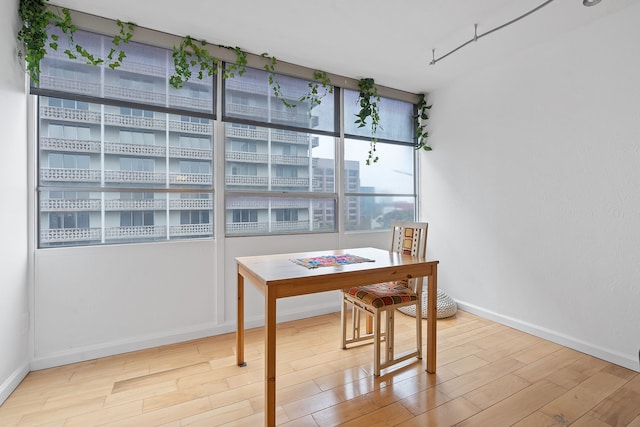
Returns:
(12, 382)
(626, 360)
(81, 354)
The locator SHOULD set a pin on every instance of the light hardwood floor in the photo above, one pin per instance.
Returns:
(487, 375)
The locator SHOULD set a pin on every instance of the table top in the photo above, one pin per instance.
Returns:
(293, 279)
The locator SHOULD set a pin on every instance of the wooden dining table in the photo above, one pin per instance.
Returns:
(281, 276)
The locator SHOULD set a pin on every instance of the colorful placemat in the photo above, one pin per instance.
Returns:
(330, 260)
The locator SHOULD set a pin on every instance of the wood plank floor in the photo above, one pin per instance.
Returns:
(487, 375)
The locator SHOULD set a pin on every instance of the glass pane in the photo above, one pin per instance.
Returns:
(392, 174)
(376, 212)
(109, 146)
(79, 218)
(142, 76)
(267, 159)
(396, 119)
(262, 215)
(58, 72)
(251, 97)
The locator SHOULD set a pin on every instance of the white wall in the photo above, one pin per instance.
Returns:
(533, 189)
(14, 288)
(97, 301)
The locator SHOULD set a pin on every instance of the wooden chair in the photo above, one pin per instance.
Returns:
(383, 298)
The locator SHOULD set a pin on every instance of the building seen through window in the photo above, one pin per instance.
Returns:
(124, 157)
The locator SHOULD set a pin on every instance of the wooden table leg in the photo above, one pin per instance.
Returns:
(270, 359)
(240, 327)
(432, 297)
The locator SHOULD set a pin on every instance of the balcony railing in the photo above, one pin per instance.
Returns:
(75, 205)
(72, 145)
(263, 227)
(190, 178)
(290, 182)
(242, 156)
(118, 92)
(61, 235)
(246, 180)
(119, 176)
(69, 114)
(266, 202)
(123, 120)
(136, 232)
(69, 205)
(254, 180)
(290, 225)
(291, 115)
(134, 149)
(282, 159)
(262, 158)
(190, 153)
(262, 134)
(86, 146)
(134, 204)
(191, 230)
(123, 177)
(69, 175)
(184, 204)
(69, 85)
(145, 232)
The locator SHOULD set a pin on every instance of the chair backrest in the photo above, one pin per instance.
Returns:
(409, 237)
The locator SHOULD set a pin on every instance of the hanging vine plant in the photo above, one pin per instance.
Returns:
(188, 54)
(270, 67)
(368, 100)
(240, 66)
(35, 37)
(314, 96)
(420, 119)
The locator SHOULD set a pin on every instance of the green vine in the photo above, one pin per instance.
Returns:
(420, 118)
(240, 66)
(184, 59)
(368, 100)
(270, 67)
(314, 96)
(35, 38)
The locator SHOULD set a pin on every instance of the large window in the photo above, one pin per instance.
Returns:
(277, 158)
(123, 157)
(382, 191)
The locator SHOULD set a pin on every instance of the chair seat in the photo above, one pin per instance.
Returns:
(382, 294)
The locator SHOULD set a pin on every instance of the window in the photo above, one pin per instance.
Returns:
(194, 217)
(68, 161)
(383, 191)
(69, 220)
(137, 164)
(137, 137)
(123, 158)
(194, 166)
(245, 215)
(272, 156)
(286, 214)
(136, 219)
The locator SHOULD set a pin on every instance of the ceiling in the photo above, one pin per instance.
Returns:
(389, 41)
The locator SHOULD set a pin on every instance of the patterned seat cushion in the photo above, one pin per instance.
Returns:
(382, 294)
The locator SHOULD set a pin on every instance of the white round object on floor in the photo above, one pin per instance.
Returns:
(445, 306)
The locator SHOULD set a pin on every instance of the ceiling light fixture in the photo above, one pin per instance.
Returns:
(590, 2)
(477, 36)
